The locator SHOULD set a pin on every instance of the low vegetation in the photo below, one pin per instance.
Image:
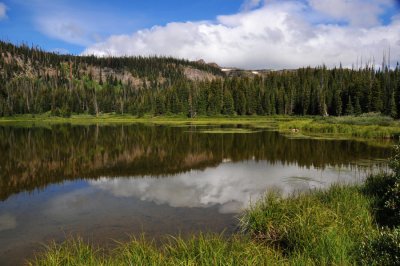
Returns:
(367, 126)
(323, 227)
(199, 250)
(345, 225)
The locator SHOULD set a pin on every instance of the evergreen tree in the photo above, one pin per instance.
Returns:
(393, 106)
(228, 108)
(337, 103)
(241, 104)
(159, 108)
(376, 99)
(349, 107)
(357, 107)
(267, 103)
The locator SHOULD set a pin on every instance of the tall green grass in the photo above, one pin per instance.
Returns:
(364, 119)
(321, 227)
(209, 249)
(371, 126)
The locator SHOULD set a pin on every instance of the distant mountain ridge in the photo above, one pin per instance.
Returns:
(34, 62)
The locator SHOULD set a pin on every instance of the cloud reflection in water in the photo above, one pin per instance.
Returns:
(230, 185)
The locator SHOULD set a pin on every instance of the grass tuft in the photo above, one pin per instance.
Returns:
(323, 227)
(203, 249)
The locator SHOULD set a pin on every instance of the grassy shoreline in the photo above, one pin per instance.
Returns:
(338, 226)
(346, 224)
(368, 126)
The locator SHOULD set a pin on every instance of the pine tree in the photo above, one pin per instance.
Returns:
(357, 107)
(241, 104)
(228, 108)
(376, 99)
(159, 108)
(267, 103)
(338, 103)
(101, 77)
(349, 107)
(393, 106)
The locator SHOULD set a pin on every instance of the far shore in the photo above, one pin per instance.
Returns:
(364, 127)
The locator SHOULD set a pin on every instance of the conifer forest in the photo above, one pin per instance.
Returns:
(33, 81)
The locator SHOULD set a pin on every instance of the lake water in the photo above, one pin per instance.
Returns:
(108, 182)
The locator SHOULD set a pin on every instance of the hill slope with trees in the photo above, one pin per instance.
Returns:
(33, 81)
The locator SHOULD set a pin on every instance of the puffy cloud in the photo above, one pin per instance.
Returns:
(357, 12)
(279, 34)
(66, 29)
(250, 4)
(75, 27)
(3, 11)
(77, 22)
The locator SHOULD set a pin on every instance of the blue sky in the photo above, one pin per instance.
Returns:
(122, 16)
(240, 33)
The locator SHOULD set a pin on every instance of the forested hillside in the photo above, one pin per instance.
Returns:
(33, 81)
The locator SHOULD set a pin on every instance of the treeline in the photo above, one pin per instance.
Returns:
(33, 81)
(306, 91)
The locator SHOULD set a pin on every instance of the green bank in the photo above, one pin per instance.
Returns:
(366, 126)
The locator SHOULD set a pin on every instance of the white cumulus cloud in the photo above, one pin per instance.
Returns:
(279, 34)
(250, 4)
(3, 11)
(67, 30)
(356, 12)
(80, 23)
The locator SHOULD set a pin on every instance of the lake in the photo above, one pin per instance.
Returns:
(108, 182)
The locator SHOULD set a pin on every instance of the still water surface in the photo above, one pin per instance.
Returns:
(108, 182)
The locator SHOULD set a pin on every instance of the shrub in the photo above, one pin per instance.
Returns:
(395, 161)
(61, 112)
(382, 249)
(393, 202)
(385, 191)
